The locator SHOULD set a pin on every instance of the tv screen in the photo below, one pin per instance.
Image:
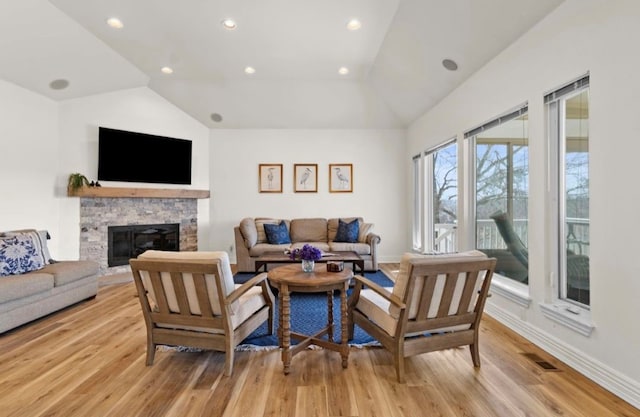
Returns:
(139, 157)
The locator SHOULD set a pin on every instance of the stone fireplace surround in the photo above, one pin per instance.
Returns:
(98, 213)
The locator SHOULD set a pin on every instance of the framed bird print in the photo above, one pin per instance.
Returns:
(340, 178)
(270, 178)
(305, 178)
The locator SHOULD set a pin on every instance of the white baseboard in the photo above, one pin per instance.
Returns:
(600, 373)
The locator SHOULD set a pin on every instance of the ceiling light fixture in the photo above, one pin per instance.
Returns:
(59, 84)
(354, 24)
(343, 70)
(229, 24)
(450, 64)
(216, 117)
(115, 23)
(167, 70)
(249, 70)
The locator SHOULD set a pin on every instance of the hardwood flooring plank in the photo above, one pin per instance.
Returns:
(89, 360)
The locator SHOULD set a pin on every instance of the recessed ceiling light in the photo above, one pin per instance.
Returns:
(229, 24)
(115, 23)
(354, 24)
(249, 70)
(343, 70)
(167, 70)
(216, 117)
(450, 64)
(59, 84)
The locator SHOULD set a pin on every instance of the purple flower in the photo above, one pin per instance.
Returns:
(308, 253)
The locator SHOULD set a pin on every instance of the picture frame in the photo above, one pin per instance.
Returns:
(340, 178)
(305, 178)
(270, 178)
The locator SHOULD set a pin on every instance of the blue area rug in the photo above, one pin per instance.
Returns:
(309, 315)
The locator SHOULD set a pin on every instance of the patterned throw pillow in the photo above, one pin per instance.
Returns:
(347, 232)
(277, 234)
(18, 254)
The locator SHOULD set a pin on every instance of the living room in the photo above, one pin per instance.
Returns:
(44, 140)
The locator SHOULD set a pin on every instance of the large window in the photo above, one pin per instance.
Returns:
(501, 184)
(568, 111)
(435, 205)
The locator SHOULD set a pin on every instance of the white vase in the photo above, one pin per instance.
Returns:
(308, 265)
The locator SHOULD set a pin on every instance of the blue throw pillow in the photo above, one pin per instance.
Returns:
(277, 234)
(18, 254)
(347, 232)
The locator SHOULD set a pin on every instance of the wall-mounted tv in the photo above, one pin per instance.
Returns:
(139, 157)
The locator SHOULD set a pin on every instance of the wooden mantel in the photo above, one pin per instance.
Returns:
(120, 192)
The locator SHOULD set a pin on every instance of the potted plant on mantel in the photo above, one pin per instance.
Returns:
(76, 182)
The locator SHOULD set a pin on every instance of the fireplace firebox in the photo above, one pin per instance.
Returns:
(126, 242)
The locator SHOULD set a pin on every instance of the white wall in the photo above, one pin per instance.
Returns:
(378, 158)
(139, 110)
(29, 149)
(43, 141)
(580, 36)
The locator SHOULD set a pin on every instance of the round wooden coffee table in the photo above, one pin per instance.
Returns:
(290, 278)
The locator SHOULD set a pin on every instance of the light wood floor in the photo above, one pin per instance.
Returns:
(88, 360)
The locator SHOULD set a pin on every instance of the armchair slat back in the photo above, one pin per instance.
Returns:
(187, 300)
(442, 300)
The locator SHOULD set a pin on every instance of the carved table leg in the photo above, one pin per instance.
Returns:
(330, 314)
(286, 328)
(343, 326)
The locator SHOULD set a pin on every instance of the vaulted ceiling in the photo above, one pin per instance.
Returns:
(296, 47)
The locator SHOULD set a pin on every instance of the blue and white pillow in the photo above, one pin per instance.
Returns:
(347, 232)
(277, 234)
(19, 254)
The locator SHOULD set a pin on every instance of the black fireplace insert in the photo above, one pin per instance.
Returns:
(126, 242)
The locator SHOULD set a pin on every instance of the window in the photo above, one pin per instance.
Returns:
(501, 189)
(418, 203)
(442, 183)
(435, 204)
(568, 113)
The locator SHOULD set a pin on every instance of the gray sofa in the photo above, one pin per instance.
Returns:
(251, 240)
(28, 296)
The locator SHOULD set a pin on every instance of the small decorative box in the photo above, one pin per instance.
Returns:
(335, 266)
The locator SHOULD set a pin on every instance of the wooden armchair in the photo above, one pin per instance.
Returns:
(190, 299)
(436, 303)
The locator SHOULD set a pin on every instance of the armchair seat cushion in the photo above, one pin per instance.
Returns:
(248, 304)
(376, 308)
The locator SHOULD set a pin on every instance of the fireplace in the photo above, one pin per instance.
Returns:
(126, 242)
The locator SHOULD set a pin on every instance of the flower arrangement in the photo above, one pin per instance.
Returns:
(306, 253)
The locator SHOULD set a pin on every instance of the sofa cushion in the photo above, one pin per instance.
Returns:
(249, 231)
(365, 229)
(39, 239)
(347, 232)
(277, 234)
(260, 249)
(260, 222)
(359, 248)
(323, 246)
(19, 286)
(308, 230)
(65, 272)
(19, 254)
(332, 226)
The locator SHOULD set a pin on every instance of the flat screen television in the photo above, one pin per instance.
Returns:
(139, 157)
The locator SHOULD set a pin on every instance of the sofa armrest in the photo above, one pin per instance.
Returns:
(373, 240)
(243, 259)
